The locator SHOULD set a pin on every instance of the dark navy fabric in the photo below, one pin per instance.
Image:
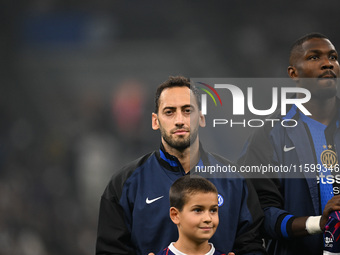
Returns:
(138, 196)
(283, 196)
(317, 131)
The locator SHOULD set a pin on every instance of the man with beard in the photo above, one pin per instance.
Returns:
(134, 209)
(297, 207)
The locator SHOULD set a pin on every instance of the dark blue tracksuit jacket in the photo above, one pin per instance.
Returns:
(285, 198)
(134, 209)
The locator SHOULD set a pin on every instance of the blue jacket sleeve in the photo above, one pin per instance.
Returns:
(113, 236)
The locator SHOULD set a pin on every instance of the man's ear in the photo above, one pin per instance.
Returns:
(292, 72)
(201, 120)
(174, 215)
(155, 123)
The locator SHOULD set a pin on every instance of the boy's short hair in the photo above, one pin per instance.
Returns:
(176, 81)
(188, 185)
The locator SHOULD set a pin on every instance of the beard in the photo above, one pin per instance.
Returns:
(179, 144)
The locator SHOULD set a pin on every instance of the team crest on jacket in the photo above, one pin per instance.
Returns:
(329, 158)
(220, 200)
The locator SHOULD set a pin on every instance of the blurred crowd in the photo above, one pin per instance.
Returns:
(76, 96)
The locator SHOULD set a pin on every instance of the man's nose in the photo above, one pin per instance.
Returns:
(327, 64)
(179, 119)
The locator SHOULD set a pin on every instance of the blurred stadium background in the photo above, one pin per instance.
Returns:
(77, 86)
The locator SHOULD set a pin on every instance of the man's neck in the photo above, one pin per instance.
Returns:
(322, 111)
(188, 158)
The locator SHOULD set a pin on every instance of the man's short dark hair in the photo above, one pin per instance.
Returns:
(186, 186)
(295, 48)
(176, 81)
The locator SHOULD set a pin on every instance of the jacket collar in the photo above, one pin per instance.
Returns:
(171, 162)
(294, 113)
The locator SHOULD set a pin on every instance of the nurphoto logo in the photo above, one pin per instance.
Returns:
(280, 98)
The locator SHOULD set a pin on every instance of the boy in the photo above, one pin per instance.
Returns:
(194, 209)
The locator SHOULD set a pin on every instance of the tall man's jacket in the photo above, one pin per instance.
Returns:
(134, 209)
(284, 197)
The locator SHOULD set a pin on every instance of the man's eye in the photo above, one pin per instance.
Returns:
(333, 57)
(197, 210)
(168, 112)
(313, 57)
